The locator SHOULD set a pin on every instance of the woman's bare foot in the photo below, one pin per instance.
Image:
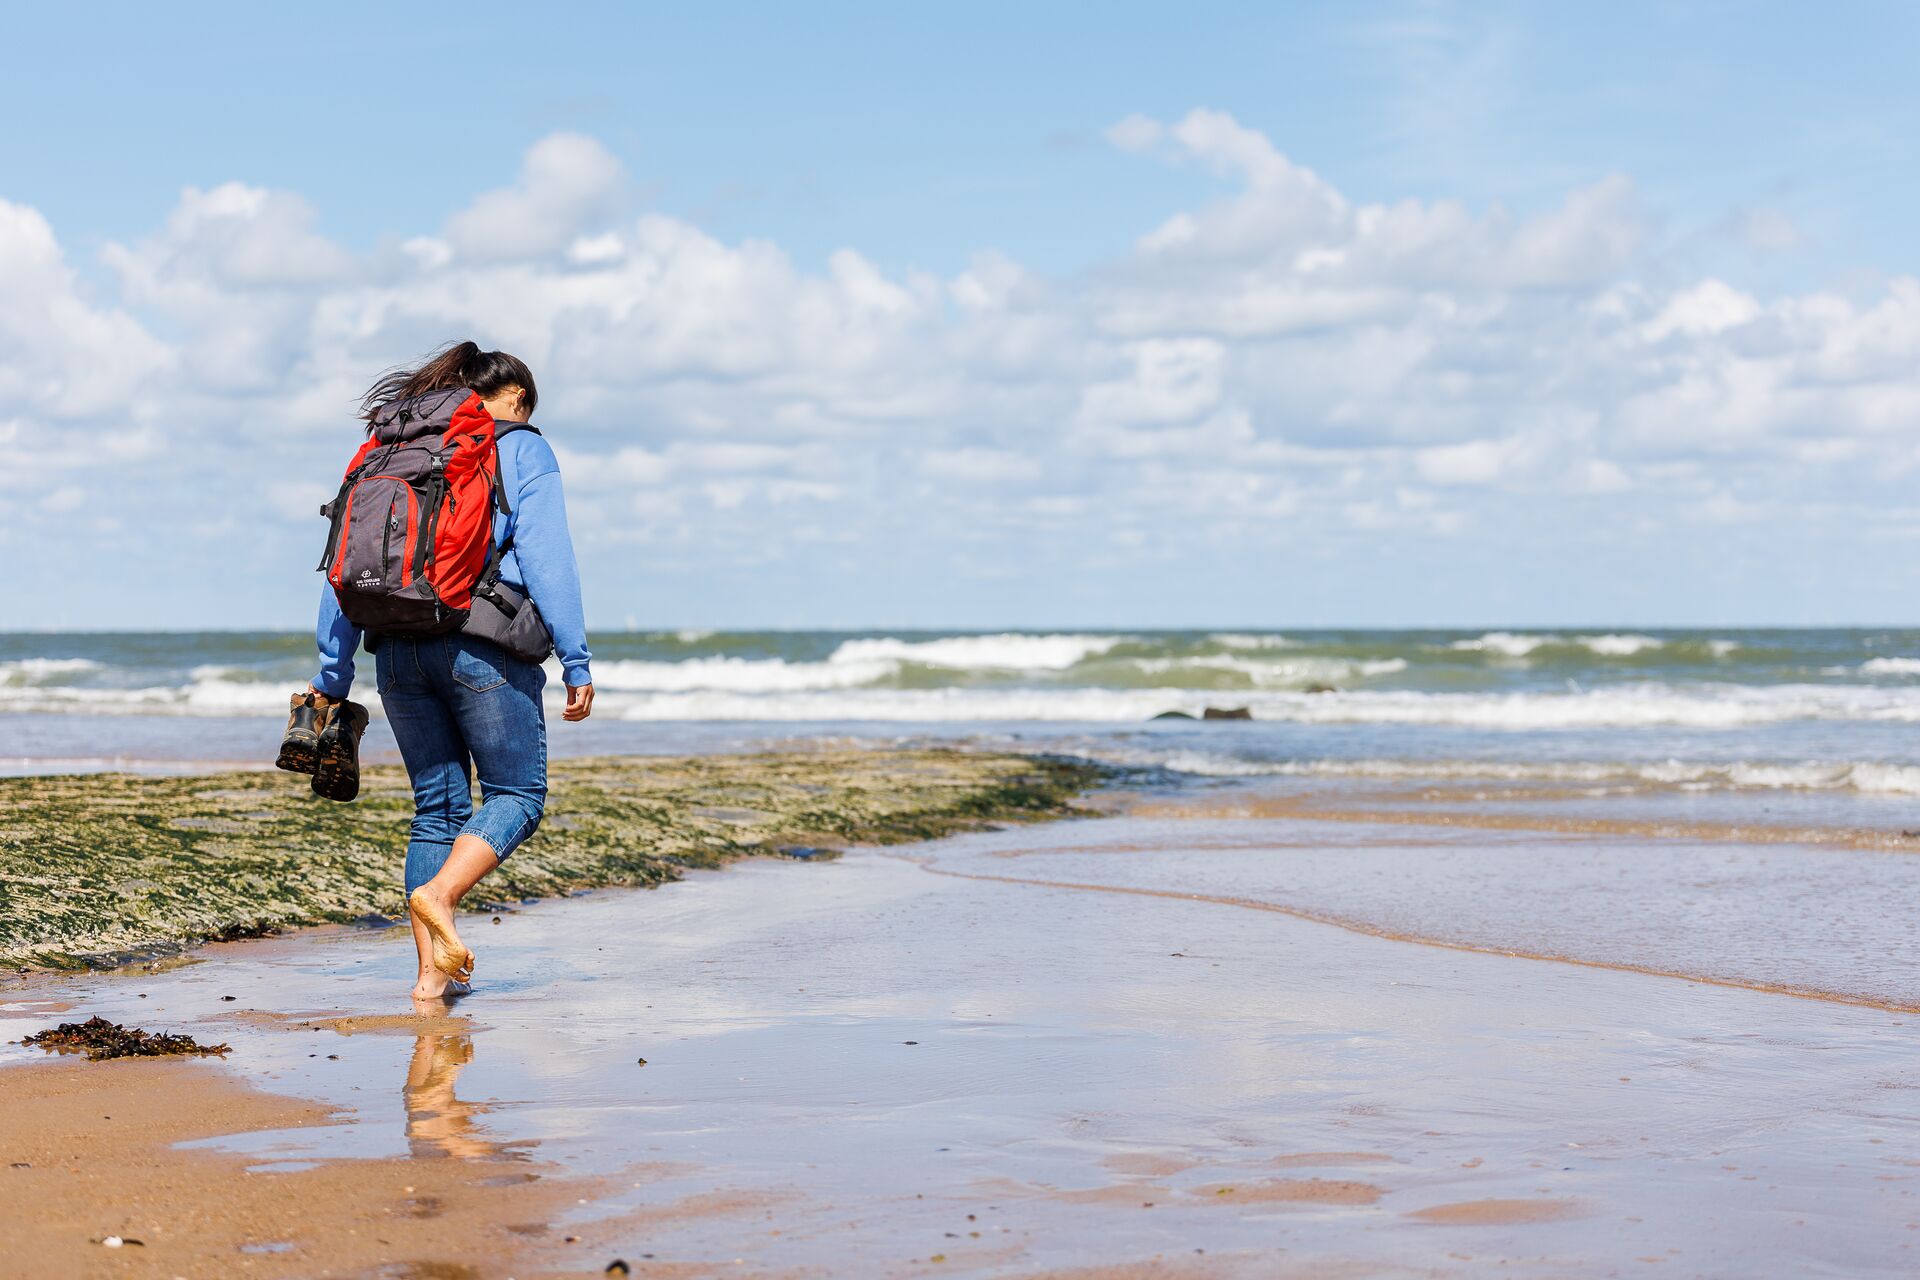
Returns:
(450, 955)
(434, 987)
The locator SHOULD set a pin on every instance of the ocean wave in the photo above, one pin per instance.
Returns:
(1510, 644)
(1009, 651)
(1639, 706)
(1242, 640)
(883, 689)
(739, 675)
(1867, 777)
(203, 696)
(23, 671)
(1274, 673)
(1890, 667)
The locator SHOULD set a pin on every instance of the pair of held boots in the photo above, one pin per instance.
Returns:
(324, 740)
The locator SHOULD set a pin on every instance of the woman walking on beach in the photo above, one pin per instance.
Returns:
(467, 699)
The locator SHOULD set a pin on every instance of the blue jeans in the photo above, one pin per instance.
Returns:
(457, 701)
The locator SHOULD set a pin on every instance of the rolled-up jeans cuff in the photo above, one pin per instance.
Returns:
(502, 824)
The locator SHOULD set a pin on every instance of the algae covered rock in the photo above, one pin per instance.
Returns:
(98, 867)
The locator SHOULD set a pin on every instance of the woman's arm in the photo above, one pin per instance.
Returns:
(543, 547)
(337, 639)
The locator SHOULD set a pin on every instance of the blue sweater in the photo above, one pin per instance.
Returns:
(540, 564)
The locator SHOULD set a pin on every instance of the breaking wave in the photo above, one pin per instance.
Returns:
(1011, 651)
(1512, 645)
(1494, 680)
(1727, 707)
(1866, 777)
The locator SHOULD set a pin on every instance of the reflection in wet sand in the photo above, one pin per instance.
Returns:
(439, 1124)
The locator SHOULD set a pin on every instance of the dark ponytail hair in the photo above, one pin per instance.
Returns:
(460, 364)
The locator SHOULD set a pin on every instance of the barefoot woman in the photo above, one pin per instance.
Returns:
(458, 702)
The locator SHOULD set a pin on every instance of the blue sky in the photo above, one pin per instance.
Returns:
(1037, 315)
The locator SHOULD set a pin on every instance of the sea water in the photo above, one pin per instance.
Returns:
(1747, 712)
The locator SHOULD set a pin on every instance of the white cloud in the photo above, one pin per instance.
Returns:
(1172, 380)
(68, 497)
(1707, 308)
(233, 237)
(61, 355)
(1475, 462)
(597, 250)
(979, 466)
(567, 183)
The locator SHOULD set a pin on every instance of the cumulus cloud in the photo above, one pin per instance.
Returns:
(567, 184)
(1278, 364)
(63, 355)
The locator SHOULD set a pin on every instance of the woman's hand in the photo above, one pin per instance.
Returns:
(579, 702)
(320, 699)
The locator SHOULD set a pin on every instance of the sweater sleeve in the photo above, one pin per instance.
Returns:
(543, 549)
(337, 639)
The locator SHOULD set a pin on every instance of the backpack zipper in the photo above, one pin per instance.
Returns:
(430, 521)
(386, 540)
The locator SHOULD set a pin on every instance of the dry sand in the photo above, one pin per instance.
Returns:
(91, 1155)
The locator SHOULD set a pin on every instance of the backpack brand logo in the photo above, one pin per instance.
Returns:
(368, 579)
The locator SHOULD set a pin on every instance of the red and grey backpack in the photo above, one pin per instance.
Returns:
(412, 533)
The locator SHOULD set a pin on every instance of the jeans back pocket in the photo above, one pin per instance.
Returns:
(477, 664)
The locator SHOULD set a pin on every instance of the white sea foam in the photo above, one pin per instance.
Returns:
(1240, 640)
(1861, 776)
(738, 675)
(1007, 652)
(33, 670)
(1890, 667)
(1510, 644)
(1280, 673)
(906, 705)
(1643, 705)
(209, 690)
(1505, 643)
(1620, 646)
(866, 688)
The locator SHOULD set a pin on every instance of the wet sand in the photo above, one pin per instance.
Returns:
(920, 1062)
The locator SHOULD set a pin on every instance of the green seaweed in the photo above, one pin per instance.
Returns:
(101, 868)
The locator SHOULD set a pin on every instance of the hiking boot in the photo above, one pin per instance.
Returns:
(336, 771)
(300, 749)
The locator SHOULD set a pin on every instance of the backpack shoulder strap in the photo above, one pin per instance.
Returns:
(499, 486)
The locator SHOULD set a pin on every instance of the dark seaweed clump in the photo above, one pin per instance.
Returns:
(100, 1039)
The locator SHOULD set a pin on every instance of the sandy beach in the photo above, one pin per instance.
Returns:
(1089, 642)
(1224, 1032)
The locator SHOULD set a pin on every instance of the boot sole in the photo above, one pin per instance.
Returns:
(336, 772)
(297, 756)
